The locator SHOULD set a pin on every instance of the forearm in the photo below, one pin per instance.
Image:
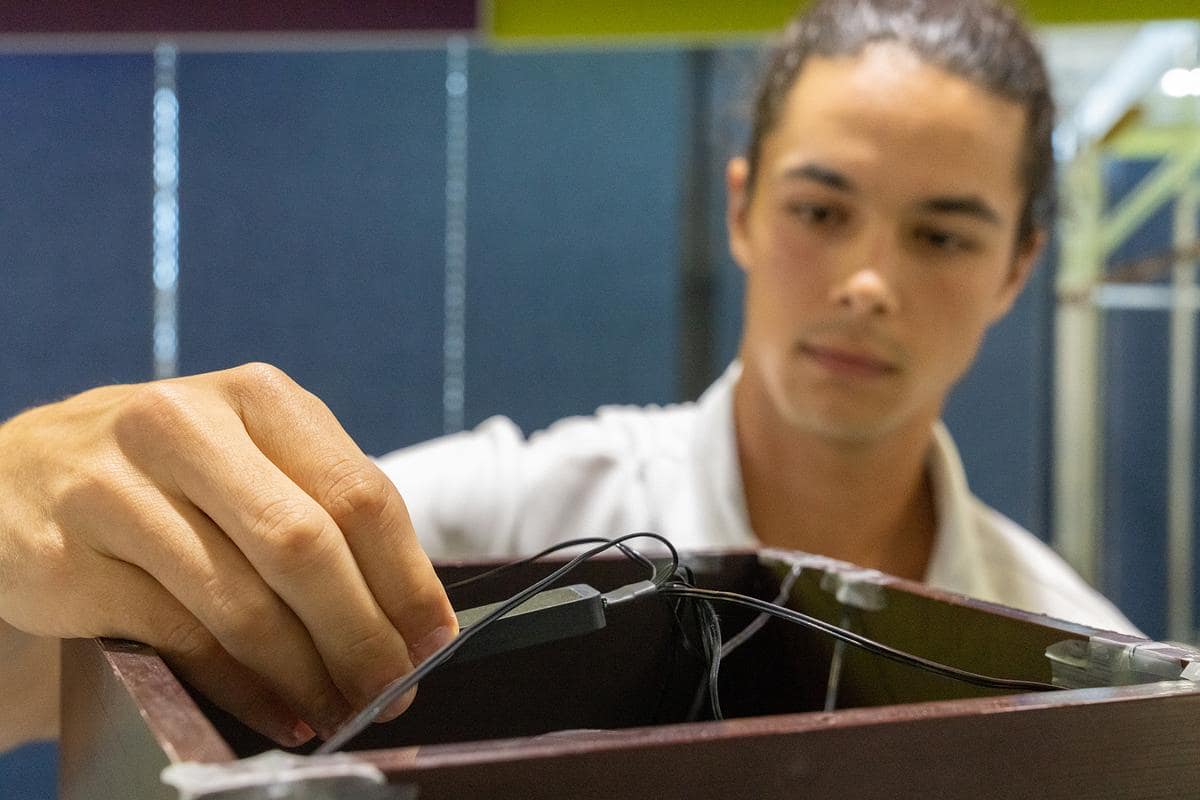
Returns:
(29, 671)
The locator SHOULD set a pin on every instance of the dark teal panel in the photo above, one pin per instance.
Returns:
(1135, 465)
(29, 772)
(573, 232)
(1136, 403)
(1154, 235)
(75, 190)
(1001, 411)
(312, 219)
(733, 89)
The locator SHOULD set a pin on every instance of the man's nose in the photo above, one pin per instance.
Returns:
(866, 284)
(866, 292)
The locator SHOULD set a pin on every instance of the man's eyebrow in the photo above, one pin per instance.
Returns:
(821, 174)
(969, 206)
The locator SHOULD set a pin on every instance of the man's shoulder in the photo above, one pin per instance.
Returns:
(1027, 573)
(620, 431)
(648, 432)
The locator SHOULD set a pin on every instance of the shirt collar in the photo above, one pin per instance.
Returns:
(954, 559)
(724, 518)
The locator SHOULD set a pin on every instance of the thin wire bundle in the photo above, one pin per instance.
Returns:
(400, 686)
(679, 589)
(633, 555)
(670, 582)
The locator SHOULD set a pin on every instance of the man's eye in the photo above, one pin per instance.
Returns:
(816, 214)
(945, 240)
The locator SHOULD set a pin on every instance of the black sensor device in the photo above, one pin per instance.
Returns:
(546, 617)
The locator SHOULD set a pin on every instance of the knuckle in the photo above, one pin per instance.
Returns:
(90, 491)
(263, 382)
(355, 489)
(153, 409)
(372, 655)
(50, 566)
(187, 640)
(260, 372)
(295, 534)
(428, 599)
(243, 616)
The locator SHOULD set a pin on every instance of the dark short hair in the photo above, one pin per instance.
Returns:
(982, 41)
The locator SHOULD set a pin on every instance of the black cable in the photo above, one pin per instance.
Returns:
(710, 637)
(870, 645)
(628, 551)
(402, 685)
(675, 583)
(680, 641)
(712, 642)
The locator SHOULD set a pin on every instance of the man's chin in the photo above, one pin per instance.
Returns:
(844, 429)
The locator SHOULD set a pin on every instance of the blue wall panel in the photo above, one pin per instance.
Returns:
(75, 224)
(75, 255)
(1135, 465)
(29, 772)
(312, 218)
(572, 232)
(733, 87)
(1001, 411)
(1136, 401)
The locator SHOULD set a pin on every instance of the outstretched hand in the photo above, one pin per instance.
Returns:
(227, 520)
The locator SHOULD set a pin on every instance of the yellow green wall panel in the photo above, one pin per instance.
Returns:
(1063, 11)
(532, 20)
(516, 21)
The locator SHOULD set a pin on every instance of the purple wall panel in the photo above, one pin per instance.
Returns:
(217, 16)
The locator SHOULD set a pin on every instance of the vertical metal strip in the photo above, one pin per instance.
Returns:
(455, 334)
(166, 213)
(833, 683)
(1181, 443)
(1078, 413)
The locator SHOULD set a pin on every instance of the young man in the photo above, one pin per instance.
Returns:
(888, 211)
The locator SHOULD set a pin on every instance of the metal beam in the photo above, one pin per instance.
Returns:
(1161, 185)
(1078, 439)
(1181, 442)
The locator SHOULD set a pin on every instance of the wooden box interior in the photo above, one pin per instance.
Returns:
(607, 714)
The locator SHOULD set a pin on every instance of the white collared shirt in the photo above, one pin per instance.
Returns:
(674, 470)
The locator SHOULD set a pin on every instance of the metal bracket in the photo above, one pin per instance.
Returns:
(1098, 661)
(857, 588)
(853, 586)
(276, 775)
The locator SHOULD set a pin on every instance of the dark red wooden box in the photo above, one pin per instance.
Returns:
(602, 715)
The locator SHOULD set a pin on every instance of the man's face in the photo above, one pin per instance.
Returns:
(879, 243)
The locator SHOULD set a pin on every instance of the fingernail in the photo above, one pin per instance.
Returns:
(433, 641)
(397, 706)
(419, 652)
(302, 732)
(326, 732)
(332, 721)
(296, 735)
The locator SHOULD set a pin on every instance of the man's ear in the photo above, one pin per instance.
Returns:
(737, 205)
(1024, 260)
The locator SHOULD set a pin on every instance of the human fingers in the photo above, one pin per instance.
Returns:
(206, 573)
(368, 510)
(142, 610)
(288, 538)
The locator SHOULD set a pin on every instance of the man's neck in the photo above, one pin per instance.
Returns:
(869, 503)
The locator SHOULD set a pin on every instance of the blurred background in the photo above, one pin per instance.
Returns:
(429, 216)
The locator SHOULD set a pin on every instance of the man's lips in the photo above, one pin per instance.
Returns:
(848, 360)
